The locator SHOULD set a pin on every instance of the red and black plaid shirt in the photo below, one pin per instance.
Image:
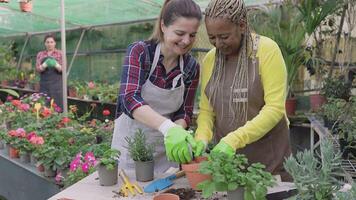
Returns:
(56, 54)
(135, 71)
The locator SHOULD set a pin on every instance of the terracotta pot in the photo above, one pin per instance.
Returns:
(5, 82)
(26, 6)
(166, 196)
(291, 104)
(72, 92)
(13, 152)
(316, 101)
(40, 168)
(192, 172)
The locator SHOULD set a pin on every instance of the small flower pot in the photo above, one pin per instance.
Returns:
(33, 159)
(26, 6)
(144, 171)
(192, 172)
(13, 152)
(25, 157)
(49, 172)
(237, 194)
(107, 177)
(2, 144)
(40, 168)
(166, 196)
(291, 105)
(316, 101)
(7, 147)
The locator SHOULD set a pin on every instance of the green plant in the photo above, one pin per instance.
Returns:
(334, 109)
(336, 88)
(282, 24)
(229, 173)
(347, 129)
(138, 147)
(315, 177)
(110, 158)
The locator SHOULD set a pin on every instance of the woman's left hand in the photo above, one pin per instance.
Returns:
(223, 147)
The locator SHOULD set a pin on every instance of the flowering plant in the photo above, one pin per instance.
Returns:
(15, 136)
(80, 167)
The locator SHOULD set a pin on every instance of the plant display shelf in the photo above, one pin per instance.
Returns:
(20, 181)
(348, 165)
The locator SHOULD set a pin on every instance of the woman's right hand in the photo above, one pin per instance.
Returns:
(179, 144)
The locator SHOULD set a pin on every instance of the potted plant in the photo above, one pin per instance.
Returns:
(192, 172)
(336, 88)
(332, 112)
(236, 176)
(316, 177)
(25, 5)
(108, 167)
(80, 167)
(142, 153)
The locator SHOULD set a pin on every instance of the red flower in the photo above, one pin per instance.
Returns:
(91, 85)
(16, 103)
(106, 112)
(46, 112)
(65, 120)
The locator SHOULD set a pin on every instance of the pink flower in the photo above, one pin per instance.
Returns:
(74, 164)
(91, 85)
(39, 140)
(89, 157)
(58, 177)
(21, 132)
(31, 135)
(36, 140)
(25, 107)
(78, 156)
(85, 167)
(9, 98)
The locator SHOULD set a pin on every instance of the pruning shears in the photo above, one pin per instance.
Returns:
(128, 187)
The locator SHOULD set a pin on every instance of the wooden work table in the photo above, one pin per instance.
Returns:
(89, 189)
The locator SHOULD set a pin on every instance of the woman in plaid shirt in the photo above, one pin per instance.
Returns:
(158, 84)
(49, 65)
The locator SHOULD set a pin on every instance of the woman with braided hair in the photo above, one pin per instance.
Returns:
(243, 90)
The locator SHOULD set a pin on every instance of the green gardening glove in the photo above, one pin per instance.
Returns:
(200, 147)
(51, 62)
(178, 143)
(223, 147)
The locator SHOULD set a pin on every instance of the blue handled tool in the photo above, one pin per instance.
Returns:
(162, 183)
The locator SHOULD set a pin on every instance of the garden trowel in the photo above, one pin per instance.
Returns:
(162, 183)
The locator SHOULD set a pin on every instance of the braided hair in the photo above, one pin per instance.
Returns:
(235, 11)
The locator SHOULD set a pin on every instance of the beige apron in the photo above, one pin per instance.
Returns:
(274, 147)
(163, 101)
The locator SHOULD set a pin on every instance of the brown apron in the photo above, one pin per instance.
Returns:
(271, 149)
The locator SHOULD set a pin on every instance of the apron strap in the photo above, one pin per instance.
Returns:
(254, 53)
(181, 66)
(175, 80)
(155, 59)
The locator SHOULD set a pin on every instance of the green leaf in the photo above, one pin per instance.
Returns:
(11, 92)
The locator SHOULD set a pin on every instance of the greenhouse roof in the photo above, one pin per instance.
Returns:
(45, 16)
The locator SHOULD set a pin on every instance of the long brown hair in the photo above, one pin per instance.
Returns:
(236, 12)
(171, 10)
